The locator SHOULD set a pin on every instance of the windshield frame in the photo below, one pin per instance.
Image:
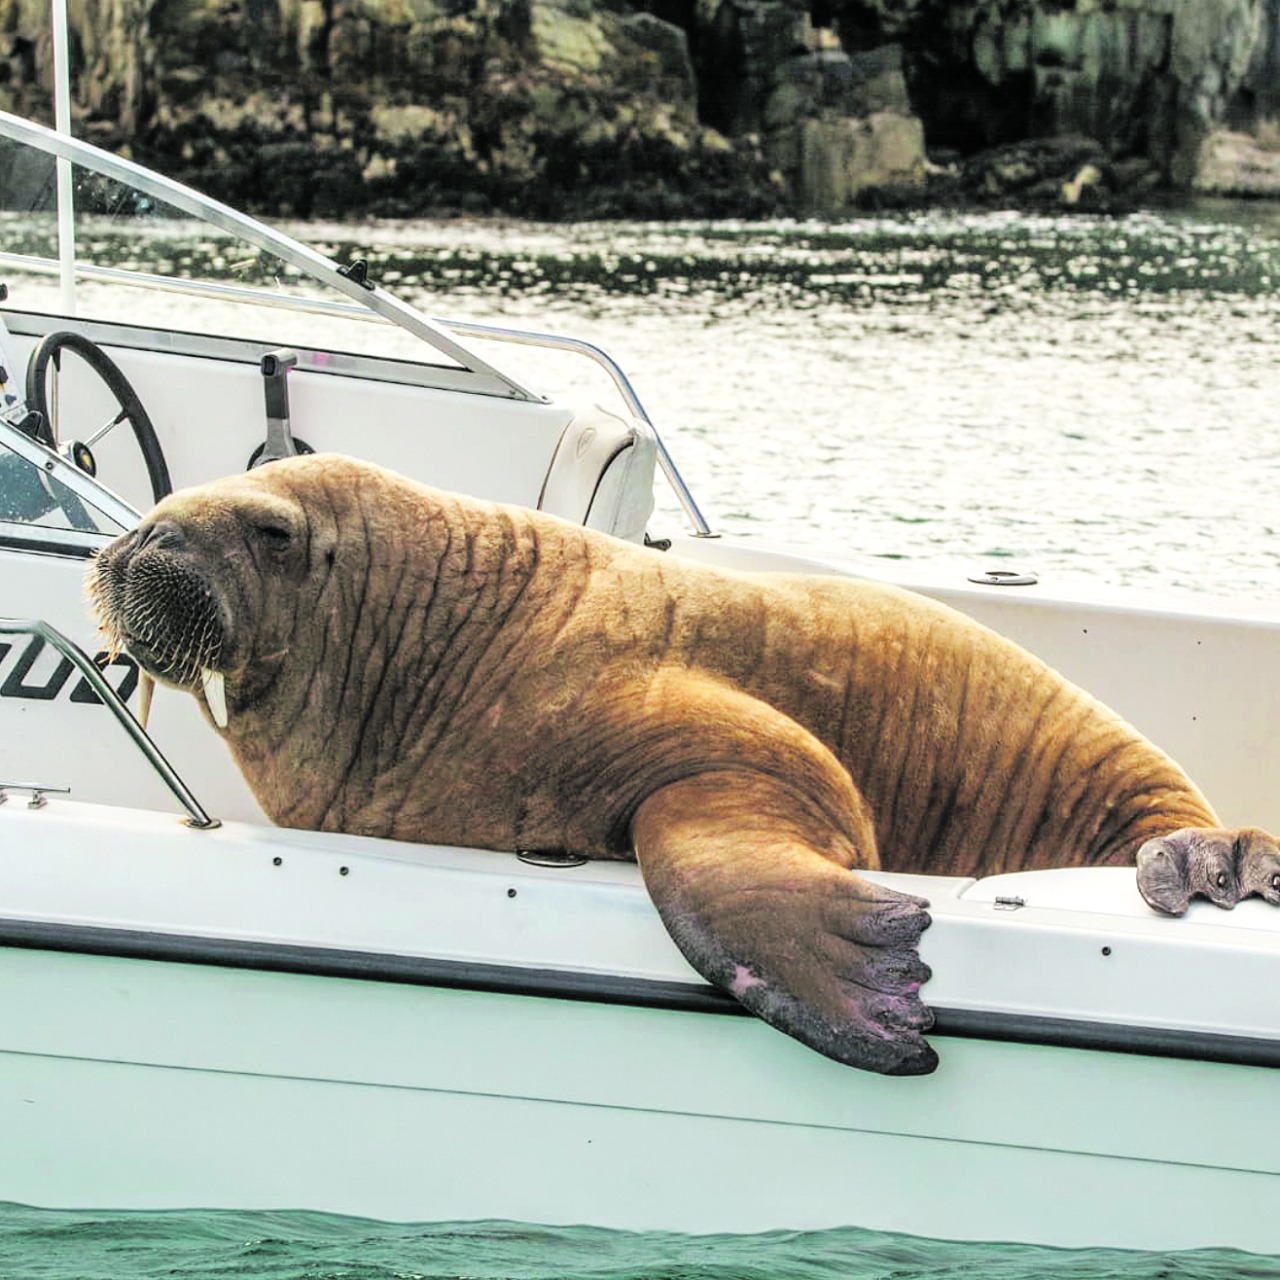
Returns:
(485, 378)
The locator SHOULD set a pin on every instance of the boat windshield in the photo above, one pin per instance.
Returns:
(141, 261)
(116, 242)
(88, 235)
(41, 490)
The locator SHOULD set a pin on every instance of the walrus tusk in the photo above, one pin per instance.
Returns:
(146, 691)
(215, 694)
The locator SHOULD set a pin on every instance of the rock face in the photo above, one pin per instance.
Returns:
(317, 107)
(1239, 164)
(840, 126)
(1241, 155)
(660, 108)
(1132, 74)
(837, 125)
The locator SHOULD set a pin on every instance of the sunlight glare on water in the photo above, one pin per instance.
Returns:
(1085, 398)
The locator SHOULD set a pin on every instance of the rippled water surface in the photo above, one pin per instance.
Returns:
(1087, 398)
(299, 1246)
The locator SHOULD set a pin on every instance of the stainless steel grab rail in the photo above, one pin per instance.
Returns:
(198, 818)
(580, 347)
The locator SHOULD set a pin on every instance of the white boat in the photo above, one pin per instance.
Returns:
(199, 1009)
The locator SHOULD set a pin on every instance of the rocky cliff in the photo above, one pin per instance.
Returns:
(657, 108)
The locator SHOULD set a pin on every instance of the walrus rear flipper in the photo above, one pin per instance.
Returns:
(1224, 866)
(749, 881)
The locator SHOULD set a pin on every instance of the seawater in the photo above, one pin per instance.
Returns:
(1092, 399)
(45, 1245)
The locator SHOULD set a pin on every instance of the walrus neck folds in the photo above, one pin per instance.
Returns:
(397, 647)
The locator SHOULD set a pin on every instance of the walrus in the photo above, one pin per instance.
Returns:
(391, 660)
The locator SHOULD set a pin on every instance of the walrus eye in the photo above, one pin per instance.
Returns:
(1222, 879)
(274, 535)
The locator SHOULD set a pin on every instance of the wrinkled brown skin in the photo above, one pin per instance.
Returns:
(407, 663)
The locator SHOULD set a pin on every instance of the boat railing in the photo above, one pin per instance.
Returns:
(580, 347)
(197, 817)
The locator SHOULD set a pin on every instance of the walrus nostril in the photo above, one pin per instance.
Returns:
(163, 534)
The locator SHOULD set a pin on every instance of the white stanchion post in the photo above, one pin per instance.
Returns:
(62, 122)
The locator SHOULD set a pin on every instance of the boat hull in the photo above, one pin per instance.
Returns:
(256, 1018)
(128, 1083)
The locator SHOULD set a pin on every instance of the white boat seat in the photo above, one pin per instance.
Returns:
(601, 474)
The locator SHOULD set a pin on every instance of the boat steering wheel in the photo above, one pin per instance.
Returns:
(49, 350)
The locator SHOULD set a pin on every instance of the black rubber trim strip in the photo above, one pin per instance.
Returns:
(1107, 1037)
(370, 966)
(564, 984)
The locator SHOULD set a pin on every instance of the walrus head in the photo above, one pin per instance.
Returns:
(318, 605)
(210, 583)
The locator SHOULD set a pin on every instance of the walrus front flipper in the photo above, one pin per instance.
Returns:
(1223, 866)
(748, 879)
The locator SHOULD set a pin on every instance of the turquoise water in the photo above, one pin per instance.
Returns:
(44, 1245)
